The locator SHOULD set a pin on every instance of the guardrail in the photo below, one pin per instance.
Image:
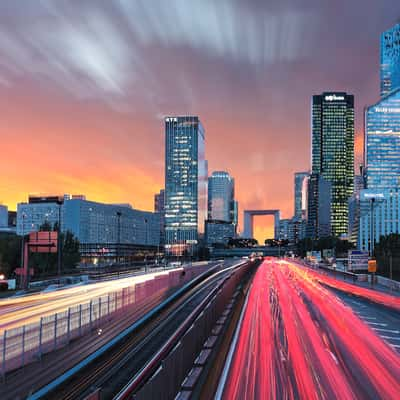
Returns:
(139, 324)
(25, 344)
(175, 359)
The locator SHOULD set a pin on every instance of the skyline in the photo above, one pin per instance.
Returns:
(123, 96)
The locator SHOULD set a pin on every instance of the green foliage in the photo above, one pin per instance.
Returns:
(387, 252)
(330, 242)
(46, 263)
(10, 253)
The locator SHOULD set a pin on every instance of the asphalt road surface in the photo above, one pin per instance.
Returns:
(301, 338)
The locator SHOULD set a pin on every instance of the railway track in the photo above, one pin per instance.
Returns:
(106, 372)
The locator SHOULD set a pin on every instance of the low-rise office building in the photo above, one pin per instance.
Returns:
(379, 216)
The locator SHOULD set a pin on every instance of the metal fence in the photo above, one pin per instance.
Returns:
(22, 345)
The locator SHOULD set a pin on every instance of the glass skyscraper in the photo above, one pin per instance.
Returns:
(333, 151)
(185, 182)
(382, 143)
(390, 60)
(221, 197)
(300, 196)
(319, 207)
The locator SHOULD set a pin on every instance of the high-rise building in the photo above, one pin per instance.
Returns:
(333, 151)
(3, 216)
(390, 60)
(382, 143)
(159, 207)
(319, 207)
(221, 197)
(185, 182)
(300, 198)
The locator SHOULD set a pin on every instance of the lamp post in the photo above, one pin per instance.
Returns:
(372, 231)
(146, 243)
(372, 240)
(23, 241)
(119, 234)
(60, 202)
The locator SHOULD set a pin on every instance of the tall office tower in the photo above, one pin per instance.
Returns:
(333, 151)
(185, 182)
(300, 198)
(382, 143)
(390, 60)
(221, 197)
(319, 207)
(159, 207)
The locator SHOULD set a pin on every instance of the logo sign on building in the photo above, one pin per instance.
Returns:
(333, 97)
(358, 260)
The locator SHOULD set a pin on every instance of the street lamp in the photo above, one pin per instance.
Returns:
(119, 233)
(372, 240)
(60, 202)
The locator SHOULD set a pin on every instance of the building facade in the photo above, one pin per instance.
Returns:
(3, 216)
(333, 151)
(185, 182)
(221, 197)
(32, 215)
(159, 207)
(390, 60)
(319, 207)
(382, 143)
(219, 232)
(380, 216)
(354, 208)
(300, 194)
(92, 222)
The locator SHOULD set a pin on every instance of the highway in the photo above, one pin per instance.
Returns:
(18, 311)
(305, 335)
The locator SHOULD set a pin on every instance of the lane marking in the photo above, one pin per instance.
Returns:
(390, 337)
(376, 323)
(363, 317)
(386, 330)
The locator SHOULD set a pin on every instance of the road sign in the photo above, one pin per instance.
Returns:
(357, 260)
(43, 242)
(372, 266)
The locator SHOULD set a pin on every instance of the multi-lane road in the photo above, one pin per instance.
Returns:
(302, 338)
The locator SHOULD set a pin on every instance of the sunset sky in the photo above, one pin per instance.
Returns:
(84, 86)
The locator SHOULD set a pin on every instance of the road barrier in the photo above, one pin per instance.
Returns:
(165, 382)
(25, 344)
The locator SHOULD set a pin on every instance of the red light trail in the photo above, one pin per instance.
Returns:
(298, 340)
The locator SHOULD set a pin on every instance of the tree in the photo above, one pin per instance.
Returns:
(10, 253)
(340, 246)
(46, 263)
(387, 252)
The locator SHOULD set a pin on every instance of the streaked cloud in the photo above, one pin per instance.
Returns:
(98, 50)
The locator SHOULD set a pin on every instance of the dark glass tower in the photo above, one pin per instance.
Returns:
(333, 151)
(185, 182)
(221, 197)
(390, 60)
